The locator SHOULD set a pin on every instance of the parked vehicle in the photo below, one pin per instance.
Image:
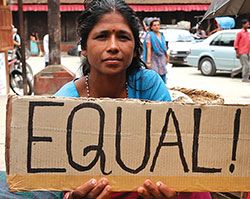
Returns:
(216, 53)
(15, 76)
(178, 42)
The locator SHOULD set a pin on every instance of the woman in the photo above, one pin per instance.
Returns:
(155, 50)
(109, 32)
(34, 44)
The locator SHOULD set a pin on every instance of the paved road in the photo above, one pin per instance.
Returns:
(233, 90)
(2, 131)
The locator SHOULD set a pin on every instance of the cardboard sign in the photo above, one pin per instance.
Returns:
(59, 143)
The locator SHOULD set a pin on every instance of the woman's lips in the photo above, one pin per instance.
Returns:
(112, 60)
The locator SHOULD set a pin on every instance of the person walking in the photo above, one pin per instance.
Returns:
(34, 44)
(16, 42)
(46, 49)
(155, 49)
(242, 48)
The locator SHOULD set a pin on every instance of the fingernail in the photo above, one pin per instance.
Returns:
(108, 188)
(92, 182)
(140, 191)
(158, 184)
(147, 183)
(104, 182)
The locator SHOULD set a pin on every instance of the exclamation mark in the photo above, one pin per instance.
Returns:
(236, 138)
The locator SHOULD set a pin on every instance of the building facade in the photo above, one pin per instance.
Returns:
(169, 11)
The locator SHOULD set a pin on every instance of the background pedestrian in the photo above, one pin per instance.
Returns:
(242, 48)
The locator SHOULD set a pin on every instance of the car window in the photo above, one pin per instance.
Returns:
(224, 39)
(227, 39)
(177, 35)
(216, 41)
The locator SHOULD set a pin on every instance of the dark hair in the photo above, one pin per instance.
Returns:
(244, 21)
(94, 10)
(152, 21)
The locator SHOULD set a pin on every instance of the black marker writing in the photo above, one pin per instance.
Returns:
(118, 143)
(98, 148)
(235, 138)
(196, 168)
(32, 138)
(178, 143)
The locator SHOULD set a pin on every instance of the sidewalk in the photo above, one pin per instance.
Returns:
(177, 78)
(3, 100)
(70, 62)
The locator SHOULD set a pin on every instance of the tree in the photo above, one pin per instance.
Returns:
(54, 29)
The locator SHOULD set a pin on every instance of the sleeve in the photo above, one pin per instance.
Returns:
(68, 90)
(158, 90)
(46, 43)
(19, 39)
(148, 39)
(237, 39)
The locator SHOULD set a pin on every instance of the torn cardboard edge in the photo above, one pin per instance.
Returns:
(67, 181)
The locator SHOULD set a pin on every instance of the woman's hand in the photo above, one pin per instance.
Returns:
(150, 190)
(92, 189)
(149, 65)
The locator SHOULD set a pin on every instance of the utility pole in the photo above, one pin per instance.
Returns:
(54, 28)
(21, 28)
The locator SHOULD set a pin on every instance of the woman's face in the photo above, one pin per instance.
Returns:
(110, 45)
(156, 26)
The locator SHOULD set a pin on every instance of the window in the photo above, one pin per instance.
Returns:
(216, 41)
(227, 39)
(224, 39)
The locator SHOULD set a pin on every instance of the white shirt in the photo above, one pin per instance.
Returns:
(46, 47)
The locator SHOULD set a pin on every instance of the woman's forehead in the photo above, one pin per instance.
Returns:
(112, 18)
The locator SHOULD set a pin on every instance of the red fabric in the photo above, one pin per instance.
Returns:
(242, 42)
(135, 7)
(160, 8)
(248, 195)
(125, 195)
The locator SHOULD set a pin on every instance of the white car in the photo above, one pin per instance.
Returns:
(178, 42)
(216, 53)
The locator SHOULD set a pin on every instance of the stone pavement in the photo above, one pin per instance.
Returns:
(3, 100)
(233, 90)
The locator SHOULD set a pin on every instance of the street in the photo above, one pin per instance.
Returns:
(231, 89)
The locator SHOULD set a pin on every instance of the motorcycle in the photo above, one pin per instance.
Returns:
(15, 75)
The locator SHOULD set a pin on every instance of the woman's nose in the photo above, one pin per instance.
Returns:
(113, 46)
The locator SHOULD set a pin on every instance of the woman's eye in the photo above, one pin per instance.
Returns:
(124, 37)
(100, 37)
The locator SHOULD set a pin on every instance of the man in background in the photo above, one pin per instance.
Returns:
(242, 48)
(17, 42)
(46, 49)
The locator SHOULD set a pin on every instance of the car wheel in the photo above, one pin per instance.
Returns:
(207, 66)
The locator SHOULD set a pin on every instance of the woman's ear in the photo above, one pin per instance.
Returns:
(135, 54)
(84, 53)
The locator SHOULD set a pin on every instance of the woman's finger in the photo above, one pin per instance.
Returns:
(98, 189)
(83, 190)
(166, 191)
(143, 193)
(152, 189)
(105, 194)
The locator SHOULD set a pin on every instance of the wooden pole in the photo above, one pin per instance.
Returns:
(54, 28)
(3, 2)
(21, 29)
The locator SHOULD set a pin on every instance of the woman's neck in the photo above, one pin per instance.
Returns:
(158, 34)
(107, 86)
